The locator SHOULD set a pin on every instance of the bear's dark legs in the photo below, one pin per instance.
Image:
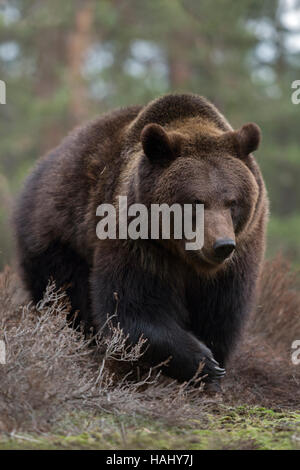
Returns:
(69, 271)
(149, 308)
(219, 309)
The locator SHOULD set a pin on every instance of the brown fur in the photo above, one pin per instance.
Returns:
(176, 149)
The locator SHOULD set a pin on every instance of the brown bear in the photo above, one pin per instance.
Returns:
(190, 305)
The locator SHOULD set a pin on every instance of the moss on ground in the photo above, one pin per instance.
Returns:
(226, 427)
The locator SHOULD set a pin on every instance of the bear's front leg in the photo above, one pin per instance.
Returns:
(149, 308)
(221, 308)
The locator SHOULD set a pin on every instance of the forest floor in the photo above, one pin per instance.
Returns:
(57, 391)
(224, 428)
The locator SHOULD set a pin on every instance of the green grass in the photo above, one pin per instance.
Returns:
(283, 237)
(226, 427)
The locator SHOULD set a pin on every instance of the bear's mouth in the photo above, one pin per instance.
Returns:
(209, 261)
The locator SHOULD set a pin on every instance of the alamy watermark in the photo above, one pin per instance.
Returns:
(2, 352)
(296, 94)
(296, 352)
(179, 222)
(2, 92)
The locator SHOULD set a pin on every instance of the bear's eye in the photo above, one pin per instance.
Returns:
(231, 204)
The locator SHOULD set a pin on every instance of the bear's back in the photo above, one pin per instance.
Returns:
(55, 201)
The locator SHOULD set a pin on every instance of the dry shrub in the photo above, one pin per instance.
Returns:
(46, 364)
(52, 370)
(261, 370)
(277, 317)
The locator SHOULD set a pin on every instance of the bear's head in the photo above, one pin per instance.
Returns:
(193, 161)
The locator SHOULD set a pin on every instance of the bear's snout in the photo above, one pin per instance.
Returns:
(223, 248)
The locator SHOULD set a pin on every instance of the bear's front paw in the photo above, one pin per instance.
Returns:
(213, 387)
(212, 370)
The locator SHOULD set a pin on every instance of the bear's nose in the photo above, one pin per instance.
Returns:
(223, 247)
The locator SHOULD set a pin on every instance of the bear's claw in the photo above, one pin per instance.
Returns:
(213, 370)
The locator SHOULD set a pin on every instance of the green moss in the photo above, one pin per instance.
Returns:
(241, 427)
(263, 428)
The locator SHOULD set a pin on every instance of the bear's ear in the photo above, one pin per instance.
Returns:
(158, 146)
(248, 138)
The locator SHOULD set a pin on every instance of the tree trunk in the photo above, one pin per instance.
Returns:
(180, 70)
(78, 43)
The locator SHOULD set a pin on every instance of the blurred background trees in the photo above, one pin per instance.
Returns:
(65, 62)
